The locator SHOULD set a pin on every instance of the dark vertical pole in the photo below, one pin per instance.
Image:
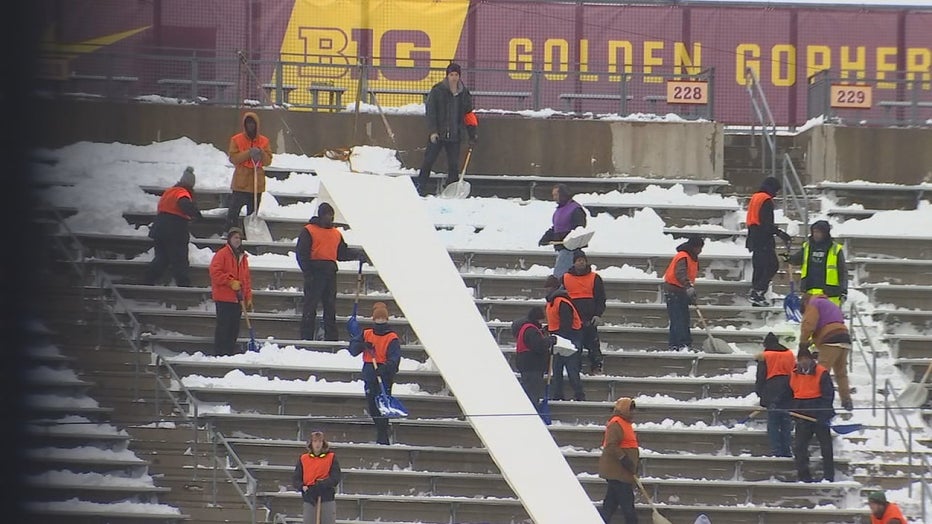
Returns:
(686, 28)
(901, 62)
(157, 22)
(577, 52)
(791, 97)
(472, 35)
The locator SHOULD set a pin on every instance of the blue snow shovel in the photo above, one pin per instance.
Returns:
(389, 406)
(792, 304)
(544, 409)
(252, 345)
(841, 429)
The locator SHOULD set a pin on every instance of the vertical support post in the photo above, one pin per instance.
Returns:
(194, 77)
(535, 90)
(279, 81)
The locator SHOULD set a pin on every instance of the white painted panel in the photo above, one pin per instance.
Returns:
(391, 223)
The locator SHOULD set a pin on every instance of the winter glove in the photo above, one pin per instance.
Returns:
(473, 136)
(627, 463)
(596, 320)
(364, 258)
(434, 138)
(691, 294)
(803, 345)
(312, 492)
(248, 304)
(353, 328)
(255, 154)
(235, 285)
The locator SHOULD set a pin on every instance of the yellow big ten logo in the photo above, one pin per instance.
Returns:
(325, 38)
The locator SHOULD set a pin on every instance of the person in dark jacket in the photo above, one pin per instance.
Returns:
(679, 291)
(563, 319)
(568, 216)
(532, 354)
(316, 476)
(320, 246)
(813, 396)
(587, 291)
(822, 260)
(381, 354)
(760, 242)
(774, 367)
(448, 110)
(170, 231)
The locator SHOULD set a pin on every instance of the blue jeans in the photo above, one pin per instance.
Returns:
(563, 262)
(678, 311)
(779, 431)
(572, 365)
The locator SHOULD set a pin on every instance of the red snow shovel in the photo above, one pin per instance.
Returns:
(655, 515)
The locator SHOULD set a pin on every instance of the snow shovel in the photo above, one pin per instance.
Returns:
(915, 394)
(389, 406)
(544, 409)
(655, 515)
(712, 344)
(461, 188)
(352, 325)
(753, 414)
(252, 345)
(256, 228)
(841, 429)
(792, 304)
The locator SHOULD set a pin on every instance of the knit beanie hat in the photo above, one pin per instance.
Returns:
(579, 253)
(379, 312)
(187, 179)
(324, 209)
(772, 342)
(454, 68)
(878, 497)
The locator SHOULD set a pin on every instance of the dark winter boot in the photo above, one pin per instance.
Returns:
(758, 299)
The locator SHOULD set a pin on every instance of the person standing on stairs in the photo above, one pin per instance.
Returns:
(231, 290)
(533, 348)
(319, 247)
(249, 152)
(774, 367)
(813, 396)
(316, 476)
(170, 232)
(568, 216)
(760, 242)
(381, 354)
(563, 319)
(618, 463)
(883, 512)
(822, 260)
(823, 326)
(679, 291)
(587, 291)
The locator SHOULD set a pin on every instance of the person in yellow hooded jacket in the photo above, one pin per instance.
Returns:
(618, 463)
(249, 152)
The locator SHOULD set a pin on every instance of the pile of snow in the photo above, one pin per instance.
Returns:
(271, 354)
(75, 505)
(238, 380)
(889, 223)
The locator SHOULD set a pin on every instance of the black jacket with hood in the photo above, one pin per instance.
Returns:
(565, 329)
(775, 390)
(318, 267)
(681, 272)
(538, 343)
(589, 307)
(760, 236)
(168, 227)
(445, 111)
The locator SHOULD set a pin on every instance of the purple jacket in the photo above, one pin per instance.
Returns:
(562, 217)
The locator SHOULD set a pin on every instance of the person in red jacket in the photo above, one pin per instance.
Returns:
(316, 476)
(679, 291)
(760, 243)
(231, 290)
(883, 512)
(249, 152)
(170, 231)
(381, 355)
(586, 290)
(563, 319)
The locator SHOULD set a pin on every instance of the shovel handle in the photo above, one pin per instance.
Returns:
(803, 417)
(925, 376)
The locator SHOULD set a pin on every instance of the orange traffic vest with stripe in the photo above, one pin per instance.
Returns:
(553, 315)
(692, 269)
(324, 242)
(315, 468)
(892, 512)
(757, 200)
(629, 438)
(380, 343)
(779, 363)
(579, 286)
(169, 201)
(807, 386)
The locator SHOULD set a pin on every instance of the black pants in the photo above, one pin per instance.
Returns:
(237, 200)
(532, 381)
(572, 364)
(765, 264)
(619, 495)
(170, 252)
(381, 423)
(804, 432)
(590, 342)
(227, 329)
(678, 312)
(430, 156)
(319, 287)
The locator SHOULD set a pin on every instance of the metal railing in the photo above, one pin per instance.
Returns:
(794, 192)
(856, 323)
(891, 407)
(904, 98)
(249, 493)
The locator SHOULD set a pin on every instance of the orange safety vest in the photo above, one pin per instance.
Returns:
(779, 363)
(324, 242)
(169, 201)
(579, 286)
(315, 467)
(807, 386)
(380, 343)
(692, 269)
(757, 200)
(553, 315)
(629, 438)
(244, 143)
(892, 512)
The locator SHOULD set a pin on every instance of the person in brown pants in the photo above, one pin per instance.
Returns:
(823, 326)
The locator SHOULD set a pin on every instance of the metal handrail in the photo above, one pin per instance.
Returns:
(794, 188)
(872, 366)
(890, 415)
(249, 495)
(765, 117)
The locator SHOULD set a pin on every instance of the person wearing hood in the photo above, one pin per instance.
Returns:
(231, 290)
(316, 476)
(319, 247)
(448, 110)
(533, 348)
(249, 152)
(568, 216)
(774, 367)
(587, 291)
(813, 396)
(618, 463)
(679, 291)
(381, 354)
(760, 242)
(823, 326)
(822, 260)
(563, 319)
(882, 511)
(170, 233)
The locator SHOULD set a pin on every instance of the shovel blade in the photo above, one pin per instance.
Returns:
(716, 345)
(256, 229)
(458, 190)
(844, 429)
(657, 518)
(390, 407)
(913, 396)
(792, 306)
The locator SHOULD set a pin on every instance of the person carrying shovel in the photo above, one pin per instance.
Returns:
(316, 476)
(823, 326)
(618, 463)
(248, 151)
(381, 354)
(231, 290)
(813, 395)
(679, 291)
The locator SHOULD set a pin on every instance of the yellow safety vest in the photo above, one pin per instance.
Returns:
(831, 271)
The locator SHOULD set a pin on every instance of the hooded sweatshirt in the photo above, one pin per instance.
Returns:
(617, 462)
(303, 252)
(760, 236)
(818, 255)
(588, 306)
(774, 367)
(680, 272)
(248, 177)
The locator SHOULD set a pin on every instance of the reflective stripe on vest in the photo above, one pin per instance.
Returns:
(807, 386)
(831, 263)
(757, 200)
(380, 343)
(692, 269)
(169, 201)
(579, 286)
(892, 512)
(629, 438)
(325, 241)
(315, 468)
(553, 315)
(779, 363)
(520, 345)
